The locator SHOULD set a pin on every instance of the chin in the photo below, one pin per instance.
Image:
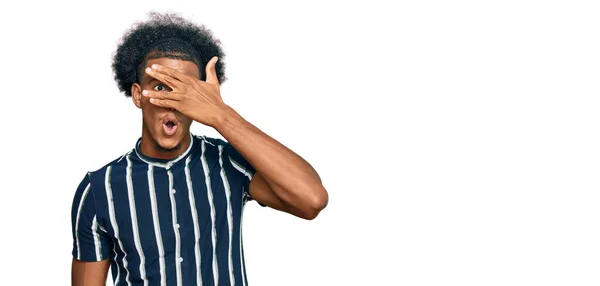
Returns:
(169, 143)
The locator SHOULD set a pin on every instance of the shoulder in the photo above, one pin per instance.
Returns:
(226, 152)
(211, 141)
(211, 145)
(97, 176)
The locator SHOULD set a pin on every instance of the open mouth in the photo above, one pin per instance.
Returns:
(170, 126)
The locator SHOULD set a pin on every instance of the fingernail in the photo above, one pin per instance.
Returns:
(155, 66)
(145, 92)
(148, 70)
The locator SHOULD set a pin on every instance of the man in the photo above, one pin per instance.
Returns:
(169, 212)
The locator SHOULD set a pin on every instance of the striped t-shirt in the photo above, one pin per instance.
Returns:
(166, 222)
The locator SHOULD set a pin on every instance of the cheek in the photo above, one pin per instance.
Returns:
(186, 124)
(149, 111)
(188, 121)
(147, 105)
(145, 101)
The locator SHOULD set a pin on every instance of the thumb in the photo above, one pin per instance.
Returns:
(211, 72)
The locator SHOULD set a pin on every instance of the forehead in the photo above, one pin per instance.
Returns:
(185, 67)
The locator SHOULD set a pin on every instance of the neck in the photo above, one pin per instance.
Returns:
(152, 149)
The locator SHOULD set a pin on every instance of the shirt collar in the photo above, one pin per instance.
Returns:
(163, 163)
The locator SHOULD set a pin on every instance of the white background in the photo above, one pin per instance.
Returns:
(459, 140)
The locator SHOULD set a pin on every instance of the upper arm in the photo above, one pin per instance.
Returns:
(85, 273)
(254, 185)
(261, 191)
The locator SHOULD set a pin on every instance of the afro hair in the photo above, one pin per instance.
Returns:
(164, 36)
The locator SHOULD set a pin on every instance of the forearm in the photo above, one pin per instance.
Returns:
(89, 273)
(291, 178)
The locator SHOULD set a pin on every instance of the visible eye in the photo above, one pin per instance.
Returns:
(159, 87)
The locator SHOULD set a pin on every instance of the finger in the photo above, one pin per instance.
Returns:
(173, 75)
(172, 82)
(161, 94)
(166, 103)
(211, 72)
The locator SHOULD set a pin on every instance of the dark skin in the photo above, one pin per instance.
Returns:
(89, 273)
(171, 89)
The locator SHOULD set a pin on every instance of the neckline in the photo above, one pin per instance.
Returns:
(163, 163)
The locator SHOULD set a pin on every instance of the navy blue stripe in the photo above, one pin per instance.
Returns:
(113, 267)
(236, 204)
(163, 202)
(186, 225)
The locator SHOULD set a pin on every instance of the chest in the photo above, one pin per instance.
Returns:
(143, 204)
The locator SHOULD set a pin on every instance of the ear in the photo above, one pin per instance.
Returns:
(136, 95)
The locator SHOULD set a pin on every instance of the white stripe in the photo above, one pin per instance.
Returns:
(83, 196)
(134, 222)
(241, 251)
(113, 220)
(96, 239)
(212, 215)
(159, 243)
(126, 154)
(188, 179)
(175, 229)
(239, 167)
(117, 263)
(203, 138)
(229, 214)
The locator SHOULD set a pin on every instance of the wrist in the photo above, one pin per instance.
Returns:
(227, 120)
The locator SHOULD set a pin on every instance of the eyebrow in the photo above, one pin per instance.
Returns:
(156, 80)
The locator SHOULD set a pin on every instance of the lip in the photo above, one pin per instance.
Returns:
(170, 131)
(171, 118)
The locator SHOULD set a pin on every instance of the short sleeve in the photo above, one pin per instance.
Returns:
(241, 167)
(90, 243)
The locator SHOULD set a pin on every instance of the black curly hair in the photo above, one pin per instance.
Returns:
(164, 36)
